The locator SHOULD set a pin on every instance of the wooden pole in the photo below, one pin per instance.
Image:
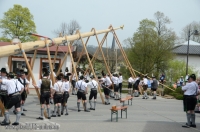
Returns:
(97, 51)
(31, 73)
(64, 59)
(102, 99)
(55, 55)
(32, 63)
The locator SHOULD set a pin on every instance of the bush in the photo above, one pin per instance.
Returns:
(167, 91)
(178, 93)
(179, 96)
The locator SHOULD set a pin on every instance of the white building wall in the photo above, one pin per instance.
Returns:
(3, 62)
(193, 61)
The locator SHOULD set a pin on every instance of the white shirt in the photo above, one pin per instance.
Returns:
(3, 86)
(107, 81)
(74, 77)
(81, 85)
(40, 83)
(145, 81)
(120, 79)
(12, 85)
(59, 86)
(115, 80)
(93, 84)
(67, 86)
(131, 80)
(22, 80)
(190, 88)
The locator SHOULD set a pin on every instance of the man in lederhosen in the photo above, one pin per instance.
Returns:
(65, 95)
(115, 80)
(93, 93)
(14, 89)
(73, 82)
(154, 86)
(120, 83)
(136, 86)
(106, 84)
(3, 89)
(191, 90)
(45, 86)
(81, 94)
(22, 79)
(58, 90)
(145, 86)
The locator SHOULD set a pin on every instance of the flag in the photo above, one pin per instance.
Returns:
(113, 44)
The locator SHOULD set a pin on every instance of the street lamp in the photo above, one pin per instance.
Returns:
(195, 32)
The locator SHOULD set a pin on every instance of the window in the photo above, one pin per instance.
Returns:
(18, 63)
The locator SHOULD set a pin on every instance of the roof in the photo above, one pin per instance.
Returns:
(61, 49)
(191, 43)
(182, 49)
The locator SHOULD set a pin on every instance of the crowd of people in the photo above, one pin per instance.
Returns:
(14, 89)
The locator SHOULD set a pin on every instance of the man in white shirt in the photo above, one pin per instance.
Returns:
(81, 94)
(22, 79)
(65, 95)
(3, 89)
(58, 91)
(107, 84)
(145, 86)
(45, 86)
(73, 84)
(130, 84)
(115, 80)
(93, 93)
(14, 89)
(191, 90)
(120, 83)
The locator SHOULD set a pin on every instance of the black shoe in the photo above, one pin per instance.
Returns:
(143, 98)
(79, 110)
(53, 116)
(186, 126)
(49, 117)
(15, 123)
(87, 111)
(194, 126)
(154, 98)
(24, 110)
(40, 118)
(5, 123)
(66, 114)
(147, 97)
(14, 112)
(73, 94)
(91, 108)
(106, 103)
(59, 115)
(23, 114)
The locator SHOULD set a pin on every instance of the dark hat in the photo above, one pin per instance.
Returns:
(3, 70)
(45, 71)
(11, 75)
(81, 77)
(92, 76)
(193, 76)
(66, 77)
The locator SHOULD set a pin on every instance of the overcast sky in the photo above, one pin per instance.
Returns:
(99, 14)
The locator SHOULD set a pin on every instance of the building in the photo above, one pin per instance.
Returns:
(194, 54)
(17, 61)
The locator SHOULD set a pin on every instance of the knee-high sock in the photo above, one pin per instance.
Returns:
(55, 110)
(22, 108)
(90, 103)
(188, 118)
(85, 104)
(95, 102)
(6, 115)
(193, 119)
(66, 109)
(78, 105)
(108, 100)
(18, 115)
(42, 112)
(154, 95)
(63, 107)
(49, 112)
(59, 109)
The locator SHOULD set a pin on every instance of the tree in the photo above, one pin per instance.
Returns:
(67, 29)
(191, 27)
(151, 47)
(17, 22)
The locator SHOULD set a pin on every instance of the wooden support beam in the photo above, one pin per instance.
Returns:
(31, 73)
(55, 55)
(63, 61)
(92, 69)
(32, 63)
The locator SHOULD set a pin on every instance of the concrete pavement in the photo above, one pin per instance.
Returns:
(161, 115)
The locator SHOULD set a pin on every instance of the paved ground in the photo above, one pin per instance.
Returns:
(161, 115)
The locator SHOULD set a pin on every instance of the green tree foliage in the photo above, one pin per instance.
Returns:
(17, 22)
(177, 69)
(151, 45)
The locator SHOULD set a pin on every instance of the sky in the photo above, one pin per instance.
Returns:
(99, 14)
